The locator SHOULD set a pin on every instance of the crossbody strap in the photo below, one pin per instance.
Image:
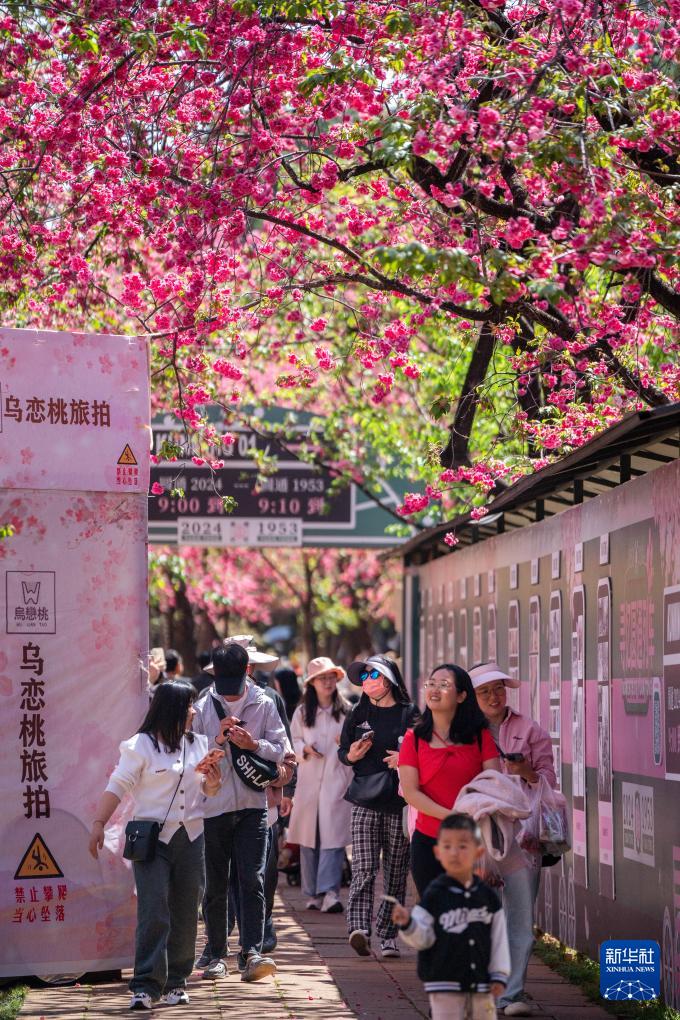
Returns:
(181, 776)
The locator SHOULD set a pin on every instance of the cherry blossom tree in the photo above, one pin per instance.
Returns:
(338, 599)
(449, 229)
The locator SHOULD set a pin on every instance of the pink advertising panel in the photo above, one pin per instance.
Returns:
(74, 412)
(74, 634)
(585, 605)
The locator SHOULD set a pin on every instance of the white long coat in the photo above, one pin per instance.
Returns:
(321, 784)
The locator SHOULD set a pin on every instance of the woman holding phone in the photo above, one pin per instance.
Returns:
(169, 772)
(526, 751)
(447, 748)
(369, 743)
(320, 818)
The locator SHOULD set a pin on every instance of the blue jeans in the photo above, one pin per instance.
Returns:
(169, 890)
(321, 870)
(520, 890)
(242, 834)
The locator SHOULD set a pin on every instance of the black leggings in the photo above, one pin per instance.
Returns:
(424, 865)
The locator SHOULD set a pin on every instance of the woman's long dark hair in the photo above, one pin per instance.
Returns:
(399, 691)
(469, 720)
(290, 688)
(310, 704)
(166, 718)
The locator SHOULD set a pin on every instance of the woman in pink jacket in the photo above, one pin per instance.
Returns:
(525, 751)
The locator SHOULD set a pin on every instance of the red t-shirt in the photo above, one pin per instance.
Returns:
(444, 771)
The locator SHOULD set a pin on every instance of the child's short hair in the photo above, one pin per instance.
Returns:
(461, 823)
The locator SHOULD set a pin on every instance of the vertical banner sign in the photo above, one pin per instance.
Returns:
(671, 679)
(450, 637)
(463, 638)
(605, 813)
(513, 653)
(491, 652)
(476, 635)
(578, 687)
(535, 657)
(555, 680)
(74, 445)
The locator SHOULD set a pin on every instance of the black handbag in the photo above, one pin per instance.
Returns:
(376, 791)
(141, 835)
(141, 840)
(254, 771)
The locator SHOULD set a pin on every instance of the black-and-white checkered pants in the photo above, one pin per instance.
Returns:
(373, 831)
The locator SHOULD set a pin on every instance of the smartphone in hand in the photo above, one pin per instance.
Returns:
(514, 756)
(211, 758)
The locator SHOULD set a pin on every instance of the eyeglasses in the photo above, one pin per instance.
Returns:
(438, 685)
(372, 674)
(492, 692)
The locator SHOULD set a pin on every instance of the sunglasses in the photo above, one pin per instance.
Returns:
(372, 674)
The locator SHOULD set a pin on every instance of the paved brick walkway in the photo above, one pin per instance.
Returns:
(377, 989)
(318, 976)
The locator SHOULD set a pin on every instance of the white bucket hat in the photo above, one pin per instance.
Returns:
(260, 659)
(489, 671)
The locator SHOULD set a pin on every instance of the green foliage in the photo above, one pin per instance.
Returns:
(6, 531)
(287, 8)
(581, 970)
(11, 1001)
(416, 259)
(169, 450)
(347, 72)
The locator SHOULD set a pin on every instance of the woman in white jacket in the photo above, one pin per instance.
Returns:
(320, 819)
(158, 768)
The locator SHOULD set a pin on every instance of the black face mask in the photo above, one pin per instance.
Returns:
(229, 688)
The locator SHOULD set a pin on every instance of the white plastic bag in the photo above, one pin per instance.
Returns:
(546, 830)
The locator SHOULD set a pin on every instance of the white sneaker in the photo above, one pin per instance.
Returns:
(176, 997)
(314, 903)
(389, 949)
(141, 1000)
(331, 903)
(519, 1008)
(215, 969)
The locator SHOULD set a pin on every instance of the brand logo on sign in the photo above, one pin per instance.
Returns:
(31, 593)
(30, 602)
(630, 970)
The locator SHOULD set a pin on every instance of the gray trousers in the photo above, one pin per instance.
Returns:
(169, 891)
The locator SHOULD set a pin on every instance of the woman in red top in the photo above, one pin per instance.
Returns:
(447, 748)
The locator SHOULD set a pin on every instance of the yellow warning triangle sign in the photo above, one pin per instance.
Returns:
(127, 456)
(38, 862)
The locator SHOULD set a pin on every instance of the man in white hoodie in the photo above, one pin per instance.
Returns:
(234, 711)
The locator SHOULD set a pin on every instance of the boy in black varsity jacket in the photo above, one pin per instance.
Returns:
(459, 930)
